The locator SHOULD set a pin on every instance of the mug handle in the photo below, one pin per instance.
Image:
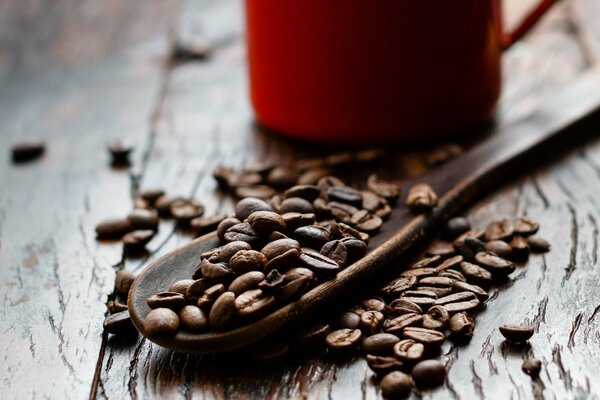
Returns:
(507, 39)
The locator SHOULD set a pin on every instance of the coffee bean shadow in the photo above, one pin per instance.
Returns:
(511, 349)
(123, 341)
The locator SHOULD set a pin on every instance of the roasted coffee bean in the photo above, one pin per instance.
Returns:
(501, 248)
(245, 282)
(226, 252)
(266, 221)
(318, 263)
(139, 203)
(113, 228)
(463, 306)
(284, 261)
(223, 312)
(429, 262)
(193, 319)
(455, 298)
(348, 320)
(342, 340)
(345, 194)
(115, 307)
(421, 198)
(163, 204)
(399, 285)
(327, 182)
(419, 272)
(494, 264)
(253, 304)
(342, 212)
(469, 247)
(422, 301)
(409, 351)
(532, 367)
(308, 163)
(256, 191)
(143, 219)
(186, 210)
(294, 220)
(119, 153)
(402, 306)
(322, 209)
(247, 260)
(151, 194)
(365, 221)
(436, 281)
(282, 177)
(172, 300)
(27, 150)
(313, 236)
(216, 271)
(224, 176)
(137, 240)
(443, 153)
(475, 273)
(382, 365)
(374, 305)
(499, 230)
(525, 226)
(272, 282)
(345, 231)
(210, 295)
(356, 248)
(452, 274)
(225, 225)
(368, 155)
(520, 248)
(439, 291)
(385, 189)
(296, 205)
(306, 192)
(395, 385)
(538, 245)
(297, 273)
(371, 201)
(428, 373)
(292, 290)
(384, 211)
(337, 251)
(123, 281)
(203, 225)
(312, 175)
(437, 317)
(196, 289)
(440, 249)
(279, 247)
(243, 232)
(311, 338)
(273, 236)
(119, 323)
(462, 325)
(516, 333)
(380, 343)
(481, 294)
(371, 321)
(247, 206)
(161, 322)
(456, 227)
(398, 324)
(428, 337)
(339, 159)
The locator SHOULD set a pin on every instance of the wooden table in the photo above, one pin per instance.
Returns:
(81, 73)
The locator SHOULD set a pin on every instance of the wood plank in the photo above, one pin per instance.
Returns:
(77, 75)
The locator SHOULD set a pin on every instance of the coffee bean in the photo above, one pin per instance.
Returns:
(186, 210)
(494, 264)
(395, 385)
(525, 226)
(254, 304)
(247, 260)
(226, 252)
(143, 219)
(474, 273)
(161, 322)
(371, 321)
(374, 305)
(520, 248)
(382, 365)
(151, 194)
(203, 225)
(306, 192)
(312, 175)
(172, 300)
(368, 155)
(225, 225)
(195, 290)
(193, 319)
(402, 306)
(421, 198)
(311, 338)
(342, 212)
(501, 248)
(119, 153)
(439, 292)
(455, 298)
(428, 337)
(397, 325)
(424, 302)
(266, 221)
(223, 312)
(383, 188)
(345, 194)
(429, 262)
(436, 281)
(419, 272)
(210, 295)
(371, 201)
(243, 232)
(440, 249)
(481, 294)
(309, 163)
(272, 282)
(452, 274)
(297, 273)
(356, 248)
(296, 205)
(429, 373)
(273, 236)
(348, 320)
(27, 150)
(284, 261)
(247, 206)
(115, 307)
(384, 211)
(313, 236)
(538, 245)
(532, 367)
(119, 323)
(463, 306)
(139, 203)
(292, 289)
(342, 340)
(294, 220)
(163, 204)
(437, 317)
(469, 247)
(365, 221)
(399, 285)
(245, 282)
(318, 263)
(123, 281)
(337, 251)
(259, 167)
(462, 325)
(279, 247)
(216, 271)
(113, 228)
(380, 343)
(327, 182)
(224, 176)
(516, 333)
(137, 240)
(499, 230)
(339, 159)
(409, 351)
(282, 177)
(456, 227)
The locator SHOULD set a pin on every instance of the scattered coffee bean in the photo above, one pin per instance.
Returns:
(429, 262)
(440, 249)
(185, 210)
(151, 194)
(312, 175)
(532, 367)
(342, 340)
(421, 198)
(462, 325)
(525, 226)
(113, 228)
(161, 322)
(428, 373)
(345, 194)
(382, 365)
(123, 281)
(456, 227)
(395, 385)
(137, 240)
(538, 245)
(399, 285)
(437, 317)
(494, 264)
(516, 333)
(499, 230)
(398, 324)
(257, 191)
(380, 343)
(402, 306)
(119, 153)
(203, 225)
(119, 323)
(306, 192)
(500, 248)
(481, 294)
(475, 273)
(281, 177)
(348, 320)
(385, 189)
(409, 351)
(428, 337)
(520, 247)
(312, 338)
(27, 150)
(371, 321)
(312, 236)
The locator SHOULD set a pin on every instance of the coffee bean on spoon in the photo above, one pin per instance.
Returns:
(247, 260)
(266, 221)
(223, 312)
(210, 295)
(254, 304)
(318, 263)
(247, 206)
(291, 290)
(243, 232)
(171, 300)
(225, 225)
(161, 322)
(193, 319)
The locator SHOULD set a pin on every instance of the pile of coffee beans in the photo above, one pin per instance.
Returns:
(273, 252)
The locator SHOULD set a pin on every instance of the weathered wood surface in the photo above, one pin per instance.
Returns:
(80, 73)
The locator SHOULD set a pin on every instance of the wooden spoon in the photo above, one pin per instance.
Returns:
(511, 151)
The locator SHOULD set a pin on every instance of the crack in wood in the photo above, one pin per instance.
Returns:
(574, 328)
(574, 235)
(476, 380)
(539, 191)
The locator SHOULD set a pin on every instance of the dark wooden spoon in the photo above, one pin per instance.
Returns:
(573, 113)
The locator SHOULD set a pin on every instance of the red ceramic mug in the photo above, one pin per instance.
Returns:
(354, 71)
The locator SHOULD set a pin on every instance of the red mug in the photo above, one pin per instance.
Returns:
(383, 71)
